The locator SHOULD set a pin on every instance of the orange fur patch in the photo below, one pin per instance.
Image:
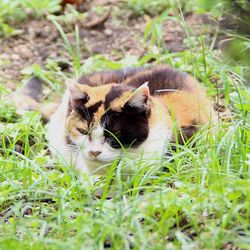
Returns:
(119, 102)
(96, 94)
(188, 107)
(159, 113)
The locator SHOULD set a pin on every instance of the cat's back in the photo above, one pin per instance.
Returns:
(162, 79)
(106, 77)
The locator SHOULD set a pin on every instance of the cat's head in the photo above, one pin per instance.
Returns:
(103, 121)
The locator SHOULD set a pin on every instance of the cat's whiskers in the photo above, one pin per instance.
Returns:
(86, 112)
(106, 119)
(72, 149)
(168, 90)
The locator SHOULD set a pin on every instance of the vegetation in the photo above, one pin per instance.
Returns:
(234, 16)
(197, 198)
(16, 10)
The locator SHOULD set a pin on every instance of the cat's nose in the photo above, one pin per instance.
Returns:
(94, 153)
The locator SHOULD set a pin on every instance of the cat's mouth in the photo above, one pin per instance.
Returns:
(102, 157)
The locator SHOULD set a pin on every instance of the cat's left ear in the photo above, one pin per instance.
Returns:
(140, 97)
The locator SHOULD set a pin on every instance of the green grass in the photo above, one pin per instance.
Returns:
(149, 7)
(14, 11)
(198, 198)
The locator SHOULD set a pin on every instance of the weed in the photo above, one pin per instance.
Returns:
(150, 7)
(15, 11)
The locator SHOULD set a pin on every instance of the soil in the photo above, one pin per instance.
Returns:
(114, 35)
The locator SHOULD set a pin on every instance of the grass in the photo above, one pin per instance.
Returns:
(16, 11)
(198, 198)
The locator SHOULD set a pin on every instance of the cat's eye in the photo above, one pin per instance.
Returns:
(114, 143)
(82, 131)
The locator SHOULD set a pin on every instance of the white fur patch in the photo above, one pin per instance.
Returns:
(156, 141)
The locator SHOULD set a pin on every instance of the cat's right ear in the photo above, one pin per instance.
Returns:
(76, 92)
(78, 97)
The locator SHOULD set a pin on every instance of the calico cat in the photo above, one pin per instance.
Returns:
(133, 110)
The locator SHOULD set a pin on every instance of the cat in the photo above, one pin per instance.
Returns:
(134, 110)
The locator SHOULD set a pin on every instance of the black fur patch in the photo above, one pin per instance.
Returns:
(160, 78)
(128, 128)
(131, 128)
(92, 109)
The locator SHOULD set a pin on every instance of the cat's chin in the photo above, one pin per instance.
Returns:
(99, 161)
(96, 166)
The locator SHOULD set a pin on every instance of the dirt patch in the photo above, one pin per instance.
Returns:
(175, 32)
(38, 41)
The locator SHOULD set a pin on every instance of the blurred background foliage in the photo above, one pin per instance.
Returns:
(231, 16)
(15, 11)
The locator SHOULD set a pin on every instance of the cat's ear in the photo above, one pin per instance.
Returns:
(139, 98)
(78, 97)
(77, 94)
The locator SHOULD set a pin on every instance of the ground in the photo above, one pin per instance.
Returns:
(198, 198)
